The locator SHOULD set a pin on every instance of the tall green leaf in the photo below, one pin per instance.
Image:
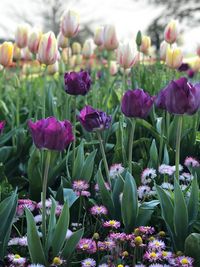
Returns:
(34, 243)
(129, 204)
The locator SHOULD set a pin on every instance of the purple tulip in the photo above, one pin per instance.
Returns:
(136, 103)
(191, 73)
(77, 83)
(179, 97)
(2, 125)
(92, 119)
(51, 134)
(184, 67)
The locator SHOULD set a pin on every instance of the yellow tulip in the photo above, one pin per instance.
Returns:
(174, 57)
(76, 48)
(145, 45)
(6, 54)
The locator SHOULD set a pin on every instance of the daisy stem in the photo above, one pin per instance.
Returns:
(131, 136)
(44, 194)
(178, 142)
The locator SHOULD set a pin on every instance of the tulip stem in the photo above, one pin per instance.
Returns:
(178, 142)
(74, 133)
(131, 137)
(104, 157)
(124, 80)
(44, 195)
(44, 94)
(68, 54)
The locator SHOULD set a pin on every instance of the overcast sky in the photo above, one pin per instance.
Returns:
(128, 16)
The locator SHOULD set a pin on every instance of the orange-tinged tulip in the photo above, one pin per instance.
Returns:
(163, 50)
(16, 52)
(48, 49)
(174, 57)
(171, 32)
(34, 40)
(6, 54)
(145, 45)
(21, 35)
(127, 55)
(110, 38)
(69, 24)
(62, 40)
(98, 36)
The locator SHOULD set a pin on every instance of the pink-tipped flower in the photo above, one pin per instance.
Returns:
(89, 262)
(69, 24)
(21, 35)
(127, 55)
(184, 261)
(48, 50)
(111, 224)
(25, 204)
(62, 40)
(96, 187)
(152, 256)
(116, 169)
(34, 40)
(51, 134)
(156, 245)
(148, 175)
(99, 36)
(80, 185)
(6, 54)
(110, 38)
(98, 210)
(191, 162)
(174, 57)
(171, 32)
(88, 245)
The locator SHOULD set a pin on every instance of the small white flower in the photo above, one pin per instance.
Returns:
(167, 186)
(116, 169)
(147, 175)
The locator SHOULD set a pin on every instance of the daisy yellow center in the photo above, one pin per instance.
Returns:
(112, 222)
(153, 254)
(88, 263)
(57, 261)
(85, 246)
(99, 209)
(184, 261)
(17, 256)
(164, 253)
(120, 265)
(157, 244)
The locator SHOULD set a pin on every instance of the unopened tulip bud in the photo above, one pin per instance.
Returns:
(6, 54)
(66, 52)
(113, 67)
(69, 24)
(48, 50)
(127, 55)
(163, 50)
(16, 52)
(171, 32)
(88, 49)
(198, 50)
(78, 59)
(145, 44)
(76, 48)
(174, 57)
(98, 36)
(62, 40)
(34, 40)
(110, 38)
(139, 39)
(52, 69)
(21, 35)
(26, 54)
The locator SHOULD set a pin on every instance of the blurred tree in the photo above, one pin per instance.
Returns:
(187, 11)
